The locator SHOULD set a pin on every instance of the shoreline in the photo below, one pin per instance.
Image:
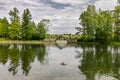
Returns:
(25, 42)
(49, 42)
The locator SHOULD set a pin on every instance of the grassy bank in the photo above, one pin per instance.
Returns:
(7, 41)
(23, 42)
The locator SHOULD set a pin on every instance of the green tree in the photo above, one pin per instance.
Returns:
(89, 21)
(26, 19)
(41, 30)
(97, 25)
(117, 22)
(4, 27)
(14, 14)
(14, 30)
(1, 29)
(31, 30)
(104, 29)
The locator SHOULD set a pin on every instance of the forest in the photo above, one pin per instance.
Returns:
(99, 25)
(21, 28)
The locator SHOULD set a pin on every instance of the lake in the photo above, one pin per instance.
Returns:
(53, 62)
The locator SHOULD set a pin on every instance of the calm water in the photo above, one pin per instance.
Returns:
(43, 62)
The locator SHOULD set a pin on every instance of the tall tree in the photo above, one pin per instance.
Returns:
(89, 22)
(31, 30)
(41, 30)
(26, 19)
(96, 25)
(1, 29)
(117, 22)
(4, 29)
(14, 14)
(104, 30)
(14, 30)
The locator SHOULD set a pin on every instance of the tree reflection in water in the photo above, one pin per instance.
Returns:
(100, 60)
(21, 55)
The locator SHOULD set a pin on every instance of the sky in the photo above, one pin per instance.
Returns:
(63, 14)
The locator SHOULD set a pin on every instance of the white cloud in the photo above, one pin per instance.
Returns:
(69, 1)
(105, 4)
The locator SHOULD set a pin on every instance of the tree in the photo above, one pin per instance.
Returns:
(41, 30)
(26, 19)
(14, 30)
(104, 30)
(89, 22)
(31, 30)
(14, 14)
(1, 29)
(46, 23)
(96, 25)
(4, 29)
(116, 17)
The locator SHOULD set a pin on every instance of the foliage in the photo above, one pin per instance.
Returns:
(41, 30)
(97, 25)
(104, 29)
(14, 30)
(31, 30)
(14, 14)
(116, 22)
(89, 22)
(1, 29)
(4, 27)
(26, 19)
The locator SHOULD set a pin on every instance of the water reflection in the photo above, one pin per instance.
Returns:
(86, 61)
(21, 56)
(100, 60)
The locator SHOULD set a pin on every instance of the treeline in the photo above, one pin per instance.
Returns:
(100, 26)
(21, 28)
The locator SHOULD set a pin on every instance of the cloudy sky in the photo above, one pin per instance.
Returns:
(63, 14)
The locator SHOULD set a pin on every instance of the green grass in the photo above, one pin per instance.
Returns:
(7, 41)
(4, 41)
